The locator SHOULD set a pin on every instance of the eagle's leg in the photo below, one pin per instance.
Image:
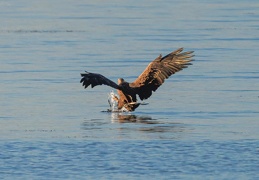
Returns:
(131, 106)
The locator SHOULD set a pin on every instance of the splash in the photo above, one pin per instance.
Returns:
(113, 101)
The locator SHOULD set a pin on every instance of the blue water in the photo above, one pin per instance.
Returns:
(201, 123)
(130, 159)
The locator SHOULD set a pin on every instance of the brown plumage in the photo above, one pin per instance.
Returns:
(151, 78)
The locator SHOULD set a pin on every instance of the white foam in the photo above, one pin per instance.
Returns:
(113, 103)
(112, 99)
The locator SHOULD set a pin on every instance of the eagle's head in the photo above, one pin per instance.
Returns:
(120, 81)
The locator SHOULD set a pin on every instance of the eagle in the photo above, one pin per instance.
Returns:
(147, 82)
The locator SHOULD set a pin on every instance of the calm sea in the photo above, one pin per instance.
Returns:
(203, 123)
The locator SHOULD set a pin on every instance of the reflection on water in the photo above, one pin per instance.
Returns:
(150, 125)
(126, 118)
(131, 126)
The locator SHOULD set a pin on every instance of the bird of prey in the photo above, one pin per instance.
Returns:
(151, 78)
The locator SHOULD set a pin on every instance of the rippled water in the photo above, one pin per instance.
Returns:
(203, 122)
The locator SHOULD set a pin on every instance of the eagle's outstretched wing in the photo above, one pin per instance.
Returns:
(159, 70)
(94, 79)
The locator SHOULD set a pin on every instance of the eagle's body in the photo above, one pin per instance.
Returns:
(128, 101)
(150, 79)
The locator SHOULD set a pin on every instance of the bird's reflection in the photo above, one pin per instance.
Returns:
(152, 128)
(148, 124)
(131, 126)
(131, 118)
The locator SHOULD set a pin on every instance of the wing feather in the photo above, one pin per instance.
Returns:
(94, 79)
(160, 69)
